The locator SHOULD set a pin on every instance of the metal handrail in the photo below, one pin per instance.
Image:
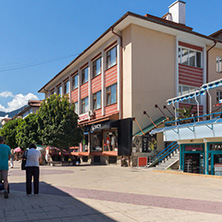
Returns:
(167, 153)
(194, 118)
(166, 148)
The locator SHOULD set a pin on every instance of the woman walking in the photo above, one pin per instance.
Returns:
(32, 169)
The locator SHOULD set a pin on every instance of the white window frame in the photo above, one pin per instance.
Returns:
(219, 64)
(180, 48)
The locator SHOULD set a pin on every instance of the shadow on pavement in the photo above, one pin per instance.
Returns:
(50, 205)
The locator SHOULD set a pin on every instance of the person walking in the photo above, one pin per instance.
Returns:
(32, 169)
(5, 152)
(12, 158)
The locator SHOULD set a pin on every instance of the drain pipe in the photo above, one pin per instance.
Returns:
(120, 73)
(207, 67)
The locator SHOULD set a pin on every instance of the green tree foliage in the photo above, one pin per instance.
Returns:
(27, 131)
(57, 123)
(185, 112)
(9, 131)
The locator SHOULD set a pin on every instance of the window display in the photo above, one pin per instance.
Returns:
(96, 142)
(110, 140)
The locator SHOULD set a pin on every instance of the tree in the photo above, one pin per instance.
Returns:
(185, 112)
(27, 131)
(9, 131)
(58, 123)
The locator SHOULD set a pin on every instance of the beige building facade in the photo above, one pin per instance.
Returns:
(139, 62)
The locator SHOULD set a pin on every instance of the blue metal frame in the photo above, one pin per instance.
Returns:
(183, 152)
(212, 153)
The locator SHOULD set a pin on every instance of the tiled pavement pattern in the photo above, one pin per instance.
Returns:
(112, 193)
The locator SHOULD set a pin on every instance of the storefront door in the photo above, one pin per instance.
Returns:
(192, 158)
(214, 155)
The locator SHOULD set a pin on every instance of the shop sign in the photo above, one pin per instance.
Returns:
(96, 127)
(145, 143)
(83, 116)
(216, 146)
(193, 148)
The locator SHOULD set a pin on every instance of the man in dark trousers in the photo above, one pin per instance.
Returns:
(5, 153)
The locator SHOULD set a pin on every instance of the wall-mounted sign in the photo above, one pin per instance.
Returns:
(216, 146)
(145, 144)
(95, 127)
(194, 147)
(84, 116)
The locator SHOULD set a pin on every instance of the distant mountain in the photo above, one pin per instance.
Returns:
(12, 113)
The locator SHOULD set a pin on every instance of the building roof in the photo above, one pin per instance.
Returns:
(133, 18)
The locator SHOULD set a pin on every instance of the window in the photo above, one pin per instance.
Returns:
(111, 94)
(85, 75)
(66, 87)
(110, 140)
(188, 89)
(74, 81)
(97, 100)
(219, 96)
(59, 90)
(189, 57)
(96, 67)
(111, 58)
(219, 64)
(52, 92)
(76, 107)
(85, 106)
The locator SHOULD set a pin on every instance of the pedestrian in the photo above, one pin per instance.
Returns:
(5, 153)
(32, 169)
(12, 158)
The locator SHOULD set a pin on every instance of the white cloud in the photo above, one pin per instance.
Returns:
(6, 94)
(18, 101)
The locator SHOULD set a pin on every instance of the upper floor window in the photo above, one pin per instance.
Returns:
(97, 100)
(52, 92)
(219, 64)
(66, 87)
(76, 107)
(85, 105)
(189, 57)
(59, 90)
(111, 58)
(85, 75)
(188, 89)
(74, 81)
(111, 94)
(97, 67)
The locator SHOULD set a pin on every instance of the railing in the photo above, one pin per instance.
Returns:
(163, 153)
(194, 119)
(174, 147)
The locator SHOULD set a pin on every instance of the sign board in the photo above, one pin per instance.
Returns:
(145, 144)
(84, 116)
(216, 146)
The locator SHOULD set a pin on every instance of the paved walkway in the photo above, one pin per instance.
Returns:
(113, 193)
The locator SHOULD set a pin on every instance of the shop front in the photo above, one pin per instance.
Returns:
(107, 140)
(192, 158)
(214, 157)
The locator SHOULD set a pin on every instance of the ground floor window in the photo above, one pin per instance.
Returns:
(85, 143)
(96, 142)
(110, 140)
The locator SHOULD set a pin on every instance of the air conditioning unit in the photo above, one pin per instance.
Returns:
(91, 113)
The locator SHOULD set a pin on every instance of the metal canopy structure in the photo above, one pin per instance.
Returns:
(202, 91)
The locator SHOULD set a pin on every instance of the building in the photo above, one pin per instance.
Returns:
(137, 63)
(31, 108)
(199, 137)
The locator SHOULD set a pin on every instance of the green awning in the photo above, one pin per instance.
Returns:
(151, 126)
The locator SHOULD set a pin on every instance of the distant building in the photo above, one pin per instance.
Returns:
(33, 106)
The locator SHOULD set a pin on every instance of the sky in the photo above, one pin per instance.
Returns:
(38, 38)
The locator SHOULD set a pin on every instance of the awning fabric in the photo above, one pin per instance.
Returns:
(150, 126)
